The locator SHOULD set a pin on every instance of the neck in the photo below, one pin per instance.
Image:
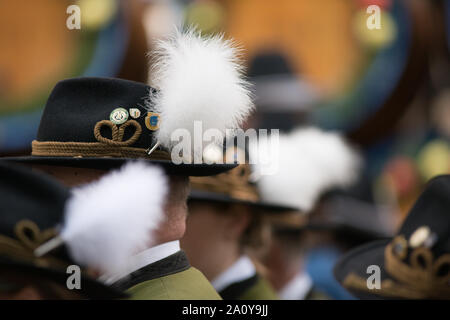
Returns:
(170, 231)
(282, 273)
(241, 270)
(221, 260)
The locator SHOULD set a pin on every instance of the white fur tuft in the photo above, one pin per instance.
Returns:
(110, 220)
(199, 79)
(310, 162)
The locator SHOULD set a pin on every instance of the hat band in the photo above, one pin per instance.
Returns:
(105, 147)
(233, 183)
(92, 149)
(388, 288)
(234, 191)
(289, 219)
(420, 280)
(423, 273)
(28, 237)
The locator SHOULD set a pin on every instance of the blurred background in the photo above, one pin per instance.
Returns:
(311, 62)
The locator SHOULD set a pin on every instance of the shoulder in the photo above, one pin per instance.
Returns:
(188, 284)
(315, 294)
(260, 290)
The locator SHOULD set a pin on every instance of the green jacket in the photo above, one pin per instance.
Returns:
(254, 288)
(190, 284)
(171, 278)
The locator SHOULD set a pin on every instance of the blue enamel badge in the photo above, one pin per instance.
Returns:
(152, 121)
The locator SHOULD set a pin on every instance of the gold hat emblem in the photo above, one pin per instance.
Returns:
(152, 121)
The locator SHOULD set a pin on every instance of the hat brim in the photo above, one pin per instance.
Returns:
(107, 163)
(90, 288)
(343, 228)
(201, 195)
(357, 260)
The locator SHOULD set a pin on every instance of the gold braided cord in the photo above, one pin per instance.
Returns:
(92, 149)
(29, 237)
(422, 274)
(117, 133)
(289, 219)
(419, 280)
(388, 288)
(234, 183)
(105, 147)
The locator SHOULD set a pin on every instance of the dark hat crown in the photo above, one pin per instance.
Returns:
(419, 256)
(428, 222)
(32, 209)
(26, 195)
(269, 64)
(76, 105)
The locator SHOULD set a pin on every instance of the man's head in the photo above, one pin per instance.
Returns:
(217, 223)
(218, 233)
(70, 176)
(173, 226)
(101, 123)
(285, 257)
(93, 125)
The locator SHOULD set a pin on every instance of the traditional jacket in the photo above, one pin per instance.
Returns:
(169, 278)
(242, 282)
(301, 287)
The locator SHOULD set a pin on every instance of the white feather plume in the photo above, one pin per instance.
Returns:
(199, 79)
(110, 220)
(310, 162)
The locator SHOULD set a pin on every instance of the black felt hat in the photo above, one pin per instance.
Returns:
(232, 187)
(32, 208)
(415, 264)
(353, 220)
(278, 90)
(101, 123)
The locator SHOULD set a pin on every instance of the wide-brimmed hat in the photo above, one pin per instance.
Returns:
(415, 263)
(32, 209)
(104, 122)
(350, 218)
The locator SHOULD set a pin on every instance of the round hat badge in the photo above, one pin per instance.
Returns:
(419, 237)
(118, 116)
(135, 113)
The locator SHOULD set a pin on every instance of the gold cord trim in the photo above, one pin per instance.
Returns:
(422, 274)
(233, 183)
(92, 149)
(388, 288)
(289, 219)
(117, 133)
(105, 147)
(29, 237)
(421, 279)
